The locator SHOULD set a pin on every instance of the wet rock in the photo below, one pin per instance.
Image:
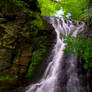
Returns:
(20, 64)
(5, 58)
(16, 40)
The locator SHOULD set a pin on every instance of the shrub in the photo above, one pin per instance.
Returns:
(81, 47)
(75, 7)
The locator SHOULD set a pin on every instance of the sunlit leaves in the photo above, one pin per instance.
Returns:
(75, 7)
(48, 7)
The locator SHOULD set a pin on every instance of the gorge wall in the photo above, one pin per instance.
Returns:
(20, 38)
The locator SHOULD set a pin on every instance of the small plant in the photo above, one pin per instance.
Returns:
(37, 55)
(36, 58)
(81, 47)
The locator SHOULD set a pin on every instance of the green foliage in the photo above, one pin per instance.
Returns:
(35, 61)
(87, 13)
(37, 55)
(87, 16)
(48, 7)
(81, 47)
(37, 23)
(75, 7)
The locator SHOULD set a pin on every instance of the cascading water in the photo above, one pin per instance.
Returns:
(50, 79)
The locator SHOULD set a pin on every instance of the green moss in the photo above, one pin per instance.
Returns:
(37, 55)
(7, 82)
(8, 78)
(21, 3)
(36, 58)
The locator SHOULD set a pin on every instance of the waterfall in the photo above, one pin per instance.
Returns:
(55, 70)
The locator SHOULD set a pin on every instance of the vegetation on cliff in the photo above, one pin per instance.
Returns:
(23, 41)
(49, 7)
(81, 47)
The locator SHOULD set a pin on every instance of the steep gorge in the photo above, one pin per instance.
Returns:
(22, 40)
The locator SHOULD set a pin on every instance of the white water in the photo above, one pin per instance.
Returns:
(49, 81)
(60, 13)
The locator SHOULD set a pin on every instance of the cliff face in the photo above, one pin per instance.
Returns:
(22, 38)
(13, 34)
